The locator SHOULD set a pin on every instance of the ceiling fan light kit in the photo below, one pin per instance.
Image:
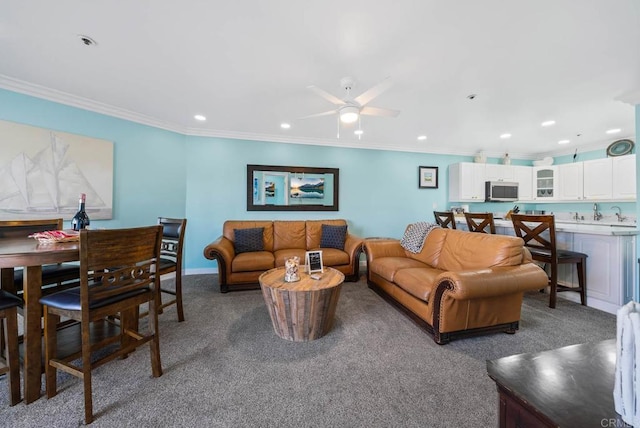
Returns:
(349, 114)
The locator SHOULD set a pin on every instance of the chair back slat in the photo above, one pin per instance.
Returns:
(537, 231)
(172, 238)
(445, 219)
(479, 222)
(118, 261)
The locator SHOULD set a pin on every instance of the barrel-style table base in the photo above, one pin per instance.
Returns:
(303, 310)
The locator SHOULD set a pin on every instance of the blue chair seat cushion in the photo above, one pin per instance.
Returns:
(51, 274)
(8, 300)
(70, 299)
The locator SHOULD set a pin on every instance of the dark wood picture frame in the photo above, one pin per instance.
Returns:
(332, 175)
(428, 177)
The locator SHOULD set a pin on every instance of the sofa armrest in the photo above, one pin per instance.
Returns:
(353, 247)
(223, 252)
(497, 281)
(376, 248)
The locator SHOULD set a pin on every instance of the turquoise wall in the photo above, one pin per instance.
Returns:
(149, 163)
(162, 173)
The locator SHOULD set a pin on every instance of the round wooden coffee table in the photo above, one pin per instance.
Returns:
(303, 310)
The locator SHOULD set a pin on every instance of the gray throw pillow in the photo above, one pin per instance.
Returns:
(333, 236)
(248, 240)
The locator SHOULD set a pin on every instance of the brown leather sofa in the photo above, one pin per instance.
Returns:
(280, 240)
(461, 283)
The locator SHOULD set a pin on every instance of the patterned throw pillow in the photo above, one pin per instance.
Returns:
(333, 236)
(248, 240)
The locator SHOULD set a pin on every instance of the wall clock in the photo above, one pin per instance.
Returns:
(620, 148)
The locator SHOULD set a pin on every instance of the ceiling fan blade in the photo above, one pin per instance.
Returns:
(326, 95)
(375, 111)
(324, 113)
(371, 93)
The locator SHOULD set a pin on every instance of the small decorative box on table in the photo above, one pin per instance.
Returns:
(304, 310)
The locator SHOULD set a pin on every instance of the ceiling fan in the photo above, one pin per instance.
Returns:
(350, 109)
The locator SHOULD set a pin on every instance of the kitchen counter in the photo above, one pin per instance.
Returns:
(581, 226)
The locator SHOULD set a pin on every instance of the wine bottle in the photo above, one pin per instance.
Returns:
(81, 219)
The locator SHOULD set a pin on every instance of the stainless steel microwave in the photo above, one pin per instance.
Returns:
(500, 191)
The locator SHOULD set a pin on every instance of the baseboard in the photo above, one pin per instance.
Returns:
(201, 271)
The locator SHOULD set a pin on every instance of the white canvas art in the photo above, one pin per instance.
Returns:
(43, 172)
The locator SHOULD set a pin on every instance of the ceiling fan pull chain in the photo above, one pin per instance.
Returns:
(338, 122)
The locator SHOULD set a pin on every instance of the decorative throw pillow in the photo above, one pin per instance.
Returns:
(248, 240)
(333, 236)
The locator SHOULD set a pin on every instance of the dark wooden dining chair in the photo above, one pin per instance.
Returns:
(171, 260)
(55, 277)
(445, 219)
(480, 222)
(118, 273)
(10, 363)
(539, 235)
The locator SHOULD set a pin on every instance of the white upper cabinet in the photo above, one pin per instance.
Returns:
(624, 177)
(523, 175)
(545, 183)
(598, 179)
(466, 182)
(497, 172)
(570, 186)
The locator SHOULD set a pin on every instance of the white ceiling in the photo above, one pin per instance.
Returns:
(246, 66)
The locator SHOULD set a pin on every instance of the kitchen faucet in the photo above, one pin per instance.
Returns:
(619, 213)
(596, 215)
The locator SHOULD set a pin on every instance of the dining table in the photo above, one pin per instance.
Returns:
(31, 255)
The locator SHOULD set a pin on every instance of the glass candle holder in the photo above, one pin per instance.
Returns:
(291, 266)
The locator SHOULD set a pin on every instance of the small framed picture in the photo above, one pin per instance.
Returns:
(313, 260)
(428, 177)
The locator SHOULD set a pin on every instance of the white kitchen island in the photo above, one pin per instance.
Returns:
(611, 265)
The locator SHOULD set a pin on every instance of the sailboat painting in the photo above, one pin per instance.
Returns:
(42, 173)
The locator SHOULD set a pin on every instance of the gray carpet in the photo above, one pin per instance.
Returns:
(225, 367)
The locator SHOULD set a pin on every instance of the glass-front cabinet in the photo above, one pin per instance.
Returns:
(545, 182)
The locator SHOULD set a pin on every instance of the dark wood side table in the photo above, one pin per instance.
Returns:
(564, 387)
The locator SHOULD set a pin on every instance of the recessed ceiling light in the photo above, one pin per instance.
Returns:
(505, 136)
(422, 137)
(614, 131)
(358, 132)
(199, 117)
(564, 141)
(548, 123)
(285, 126)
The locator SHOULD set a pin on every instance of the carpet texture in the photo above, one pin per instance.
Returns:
(225, 367)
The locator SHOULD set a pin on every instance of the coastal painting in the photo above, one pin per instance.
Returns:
(309, 188)
(43, 172)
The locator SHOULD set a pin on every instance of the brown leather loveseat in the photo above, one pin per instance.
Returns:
(460, 283)
(248, 248)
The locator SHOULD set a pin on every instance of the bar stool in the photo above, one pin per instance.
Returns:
(445, 219)
(9, 329)
(539, 235)
(479, 222)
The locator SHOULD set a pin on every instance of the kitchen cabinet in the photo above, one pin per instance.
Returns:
(624, 177)
(570, 183)
(466, 182)
(497, 172)
(598, 179)
(523, 175)
(545, 183)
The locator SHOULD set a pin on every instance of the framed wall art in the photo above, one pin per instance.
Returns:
(428, 177)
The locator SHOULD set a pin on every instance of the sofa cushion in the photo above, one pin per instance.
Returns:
(417, 281)
(333, 236)
(248, 240)
(281, 255)
(255, 261)
(267, 238)
(387, 267)
(334, 257)
(432, 247)
(289, 234)
(465, 250)
(314, 230)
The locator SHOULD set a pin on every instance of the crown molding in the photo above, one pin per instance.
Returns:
(65, 98)
(60, 97)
